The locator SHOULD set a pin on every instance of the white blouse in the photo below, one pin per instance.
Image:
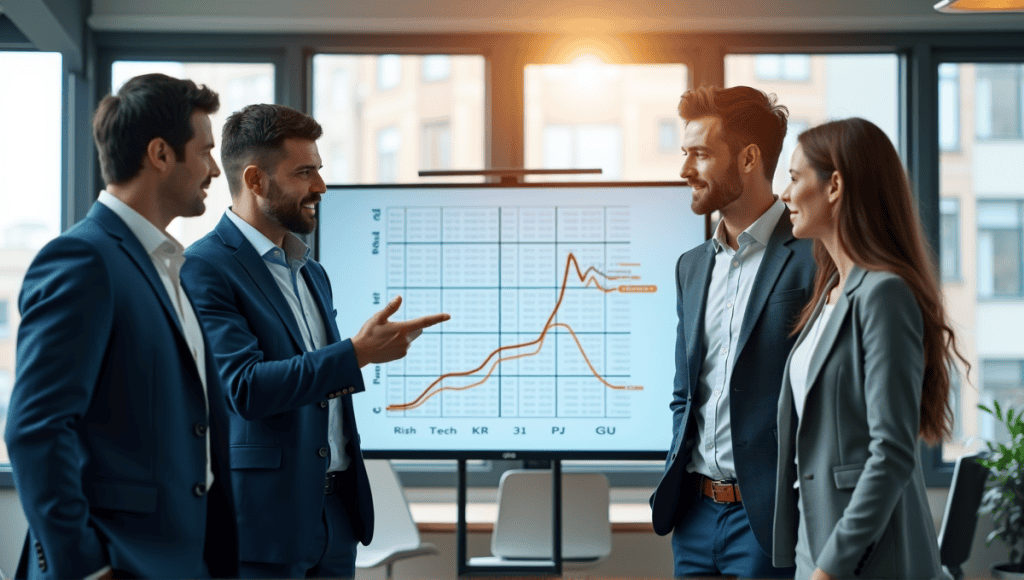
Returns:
(800, 366)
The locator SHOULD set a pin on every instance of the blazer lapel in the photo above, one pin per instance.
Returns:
(318, 288)
(695, 296)
(835, 322)
(258, 271)
(776, 254)
(131, 245)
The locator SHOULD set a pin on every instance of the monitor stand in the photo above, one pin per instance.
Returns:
(551, 567)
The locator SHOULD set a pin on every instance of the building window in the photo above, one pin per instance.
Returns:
(783, 67)
(389, 71)
(389, 142)
(1003, 381)
(999, 101)
(949, 244)
(584, 147)
(436, 145)
(435, 67)
(581, 114)
(668, 135)
(353, 114)
(949, 107)
(1000, 255)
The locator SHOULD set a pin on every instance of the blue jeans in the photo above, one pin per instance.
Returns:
(715, 539)
(332, 555)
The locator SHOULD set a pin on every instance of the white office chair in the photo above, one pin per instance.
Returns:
(522, 533)
(395, 535)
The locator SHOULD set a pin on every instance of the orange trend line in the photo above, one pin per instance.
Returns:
(539, 341)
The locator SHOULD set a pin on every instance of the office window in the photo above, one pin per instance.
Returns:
(238, 85)
(982, 214)
(5, 318)
(782, 67)
(999, 249)
(356, 118)
(30, 177)
(584, 147)
(835, 90)
(436, 145)
(949, 238)
(389, 144)
(668, 135)
(591, 114)
(998, 100)
(389, 71)
(435, 67)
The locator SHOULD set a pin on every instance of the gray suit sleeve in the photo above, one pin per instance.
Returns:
(890, 336)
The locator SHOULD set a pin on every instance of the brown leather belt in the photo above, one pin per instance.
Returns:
(720, 491)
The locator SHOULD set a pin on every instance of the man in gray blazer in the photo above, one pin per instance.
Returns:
(738, 297)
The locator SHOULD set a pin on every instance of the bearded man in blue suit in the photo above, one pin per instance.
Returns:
(301, 489)
(117, 428)
(739, 295)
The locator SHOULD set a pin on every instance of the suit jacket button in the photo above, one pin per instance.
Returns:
(199, 489)
(323, 404)
(322, 452)
(199, 429)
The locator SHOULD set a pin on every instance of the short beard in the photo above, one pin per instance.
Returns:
(280, 210)
(720, 194)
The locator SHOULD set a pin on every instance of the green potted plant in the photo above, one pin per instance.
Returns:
(1004, 497)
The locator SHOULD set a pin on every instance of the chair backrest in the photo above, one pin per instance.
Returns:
(523, 529)
(393, 524)
(961, 516)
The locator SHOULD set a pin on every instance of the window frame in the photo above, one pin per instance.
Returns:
(505, 56)
(956, 275)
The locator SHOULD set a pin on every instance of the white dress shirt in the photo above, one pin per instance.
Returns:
(286, 265)
(732, 279)
(168, 256)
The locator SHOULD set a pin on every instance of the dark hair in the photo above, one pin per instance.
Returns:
(145, 108)
(880, 229)
(256, 134)
(749, 116)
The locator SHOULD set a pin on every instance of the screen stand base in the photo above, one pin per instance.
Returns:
(551, 567)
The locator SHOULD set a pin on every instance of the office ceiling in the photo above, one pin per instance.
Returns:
(578, 17)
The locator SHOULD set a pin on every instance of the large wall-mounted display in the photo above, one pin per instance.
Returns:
(563, 304)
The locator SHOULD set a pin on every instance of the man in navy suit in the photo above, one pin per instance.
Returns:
(301, 491)
(117, 428)
(738, 297)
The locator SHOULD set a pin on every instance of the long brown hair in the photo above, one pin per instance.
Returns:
(880, 229)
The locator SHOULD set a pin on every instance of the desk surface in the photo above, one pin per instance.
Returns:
(441, 517)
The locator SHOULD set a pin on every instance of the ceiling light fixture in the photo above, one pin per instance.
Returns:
(979, 6)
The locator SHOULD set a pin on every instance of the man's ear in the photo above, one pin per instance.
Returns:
(835, 187)
(159, 154)
(252, 179)
(748, 158)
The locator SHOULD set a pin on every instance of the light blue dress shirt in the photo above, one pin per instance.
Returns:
(732, 279)
(286, 265)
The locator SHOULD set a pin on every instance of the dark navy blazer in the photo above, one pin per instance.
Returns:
(782, 287)
(108, 420)
(279, 394)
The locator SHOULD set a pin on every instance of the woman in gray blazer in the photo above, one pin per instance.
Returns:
(868, 375)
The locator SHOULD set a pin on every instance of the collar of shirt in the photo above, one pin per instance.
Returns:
(296, 252)
(154, 241)
(760, 231)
